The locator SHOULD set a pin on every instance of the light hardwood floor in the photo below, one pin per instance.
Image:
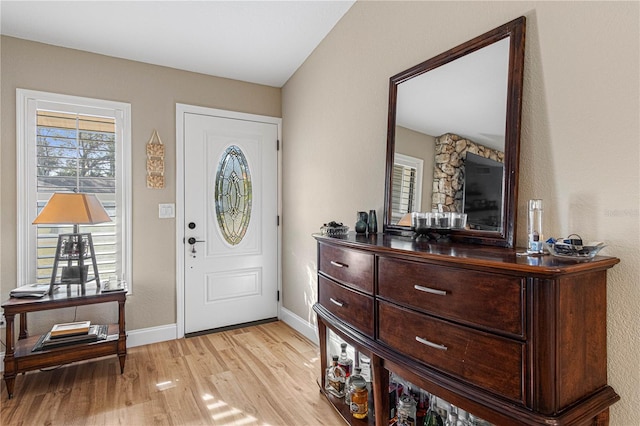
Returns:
(259, 375)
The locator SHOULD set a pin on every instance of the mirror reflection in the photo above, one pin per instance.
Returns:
(450, 139)
(453, 137)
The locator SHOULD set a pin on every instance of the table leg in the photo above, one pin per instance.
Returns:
(24, 333)
(9, 360)
(322, 338)
(380, 382)
(122, 336)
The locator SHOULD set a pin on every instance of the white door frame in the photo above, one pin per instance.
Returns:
(181, 109)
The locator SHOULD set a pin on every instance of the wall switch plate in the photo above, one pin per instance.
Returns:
(166, 211)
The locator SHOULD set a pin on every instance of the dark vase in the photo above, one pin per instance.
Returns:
(373, 222)
(361, 223)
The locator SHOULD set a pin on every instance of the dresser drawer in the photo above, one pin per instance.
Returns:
(485, 360)
(353, 308)
(489, 300)
(350, 267)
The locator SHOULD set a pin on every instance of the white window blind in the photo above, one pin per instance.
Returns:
(76, 152)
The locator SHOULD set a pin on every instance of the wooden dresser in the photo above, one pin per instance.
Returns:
(516, 340)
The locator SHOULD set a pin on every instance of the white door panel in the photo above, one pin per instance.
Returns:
(230, 276)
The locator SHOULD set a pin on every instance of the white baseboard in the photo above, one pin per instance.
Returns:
(146, 336)
(308, 330)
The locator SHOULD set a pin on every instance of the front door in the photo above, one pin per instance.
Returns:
(230, 221)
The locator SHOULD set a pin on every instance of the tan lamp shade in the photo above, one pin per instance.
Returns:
(73, 209)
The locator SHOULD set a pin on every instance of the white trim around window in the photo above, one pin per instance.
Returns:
(27, 103)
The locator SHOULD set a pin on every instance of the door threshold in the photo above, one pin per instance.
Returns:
(230, 327)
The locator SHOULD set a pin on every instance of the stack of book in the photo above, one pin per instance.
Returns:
(71, 333)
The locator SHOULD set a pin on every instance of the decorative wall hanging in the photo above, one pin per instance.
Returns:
(155, 162)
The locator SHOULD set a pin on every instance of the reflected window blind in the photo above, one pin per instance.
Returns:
(404, 187)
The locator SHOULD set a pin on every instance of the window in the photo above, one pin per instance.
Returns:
(407, 186)
(66, 143)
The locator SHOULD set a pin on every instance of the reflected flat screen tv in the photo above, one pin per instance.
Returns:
(482, 192)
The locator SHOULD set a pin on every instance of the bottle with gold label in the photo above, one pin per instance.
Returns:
(359, 395)
(335, 377)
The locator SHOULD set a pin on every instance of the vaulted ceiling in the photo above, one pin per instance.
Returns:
(262, 42)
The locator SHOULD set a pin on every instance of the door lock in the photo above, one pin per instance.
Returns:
(193, 241)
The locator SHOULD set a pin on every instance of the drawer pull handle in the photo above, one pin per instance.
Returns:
(431, 344)
(338, 264)
(335, 302)
(430, 290)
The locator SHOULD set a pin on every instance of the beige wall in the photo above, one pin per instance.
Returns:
(419, 145)
(152, 92)
(579, 148)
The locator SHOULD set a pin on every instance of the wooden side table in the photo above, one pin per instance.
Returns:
(19, 357)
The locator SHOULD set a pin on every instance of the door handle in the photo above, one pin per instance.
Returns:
(193, 241)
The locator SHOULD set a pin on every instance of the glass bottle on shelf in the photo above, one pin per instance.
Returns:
(344, 361)
(359, 396)
(452, 417)
(463, 418)
(393, 398)
(433, 418)
(421, 409)
(335, 377)
(347, 387)
(406, 411)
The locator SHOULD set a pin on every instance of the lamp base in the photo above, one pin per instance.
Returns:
(74, 248)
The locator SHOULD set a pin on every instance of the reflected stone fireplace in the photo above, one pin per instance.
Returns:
(448, 170)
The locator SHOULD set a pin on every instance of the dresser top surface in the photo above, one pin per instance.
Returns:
(512, 259)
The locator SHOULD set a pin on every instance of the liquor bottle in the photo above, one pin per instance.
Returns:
(344, 361)
(347, 386)
(406, 411)
(335, 377)
(433, 418)
(452, 417)
(421, 410)
(393, 398)
(359, 396)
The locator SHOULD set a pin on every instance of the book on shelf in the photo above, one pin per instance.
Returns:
(96, 333)
(70, 329)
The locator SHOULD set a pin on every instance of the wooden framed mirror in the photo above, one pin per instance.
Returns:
(454, 134)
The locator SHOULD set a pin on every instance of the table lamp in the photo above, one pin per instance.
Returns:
(73, 209)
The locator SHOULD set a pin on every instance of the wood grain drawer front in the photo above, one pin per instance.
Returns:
(350, 267)
(488, 300)
(488, 361)
(353, 308)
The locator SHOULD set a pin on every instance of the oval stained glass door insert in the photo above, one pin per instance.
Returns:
(233, 195)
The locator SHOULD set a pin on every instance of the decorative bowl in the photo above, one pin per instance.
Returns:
(334, 231)
(575, 252)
